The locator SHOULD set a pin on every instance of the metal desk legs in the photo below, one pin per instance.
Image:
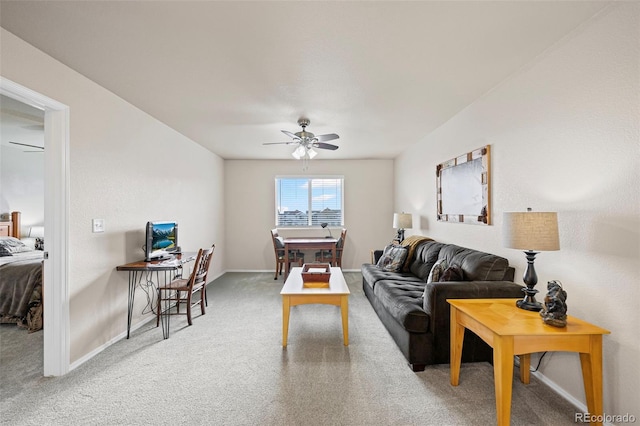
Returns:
(165, 318)
(134, 280)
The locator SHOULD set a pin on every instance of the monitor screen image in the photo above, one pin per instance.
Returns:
(161, 237)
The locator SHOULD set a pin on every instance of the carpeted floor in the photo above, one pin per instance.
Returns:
(229, 368)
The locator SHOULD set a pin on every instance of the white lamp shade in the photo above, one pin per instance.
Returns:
(302, 153)
(311, 153)
(402, 220)
(299, 152)
(537, 231)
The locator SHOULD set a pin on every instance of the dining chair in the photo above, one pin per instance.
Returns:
(295, 256)
(326, 255)
(181, 290)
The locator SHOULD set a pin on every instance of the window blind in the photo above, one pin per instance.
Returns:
(309, 201)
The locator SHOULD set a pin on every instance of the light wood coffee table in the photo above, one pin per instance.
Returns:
(293, 294)
(511, 331)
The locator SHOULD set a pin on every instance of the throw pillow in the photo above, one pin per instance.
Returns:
(437, 270)
(10, 246)
(393, 258)
(4, 252)
(452, 273)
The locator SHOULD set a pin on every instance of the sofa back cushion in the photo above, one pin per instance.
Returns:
(425, 257)
(476, 265)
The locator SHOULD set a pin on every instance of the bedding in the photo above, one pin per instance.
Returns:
(20, 285)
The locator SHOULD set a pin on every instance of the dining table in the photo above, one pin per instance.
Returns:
(308, 243)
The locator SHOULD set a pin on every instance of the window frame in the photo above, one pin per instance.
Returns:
(309, 198)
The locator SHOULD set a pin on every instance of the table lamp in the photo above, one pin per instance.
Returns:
(532, 232)
(324, 226)
(401, 221)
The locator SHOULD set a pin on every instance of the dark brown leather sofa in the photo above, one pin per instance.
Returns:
(416, 314)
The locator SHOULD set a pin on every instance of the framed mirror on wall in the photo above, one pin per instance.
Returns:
(464, 188)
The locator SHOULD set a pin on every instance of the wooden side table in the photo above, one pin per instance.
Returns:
(511, 331)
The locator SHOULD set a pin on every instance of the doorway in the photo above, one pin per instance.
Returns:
(56, 220)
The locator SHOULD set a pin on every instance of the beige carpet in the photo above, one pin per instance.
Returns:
(229, 368)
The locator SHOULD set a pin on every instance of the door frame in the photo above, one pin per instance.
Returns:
(56, 224)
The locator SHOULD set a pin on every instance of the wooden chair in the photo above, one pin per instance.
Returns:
(278, 249)
(181, 290)
(326, 256)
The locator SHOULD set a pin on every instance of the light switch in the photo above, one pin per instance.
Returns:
(98, 225)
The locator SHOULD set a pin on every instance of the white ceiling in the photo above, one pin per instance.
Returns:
(231, 75)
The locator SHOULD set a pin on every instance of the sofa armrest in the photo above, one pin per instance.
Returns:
(436, 295)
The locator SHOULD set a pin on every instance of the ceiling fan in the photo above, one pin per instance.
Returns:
(306, 141)
(30, 146)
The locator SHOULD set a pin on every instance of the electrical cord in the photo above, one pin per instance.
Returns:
(149, 287)
(539, 362)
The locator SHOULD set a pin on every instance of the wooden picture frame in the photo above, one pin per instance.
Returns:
(464, 188)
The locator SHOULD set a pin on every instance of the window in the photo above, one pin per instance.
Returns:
(309, 201)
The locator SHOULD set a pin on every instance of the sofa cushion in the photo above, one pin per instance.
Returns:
(403, 301)
(372, 274)
(412, 243)
(426, 256)
(476, 265)
(393, 258)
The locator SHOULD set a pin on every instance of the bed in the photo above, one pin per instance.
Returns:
(21, 269)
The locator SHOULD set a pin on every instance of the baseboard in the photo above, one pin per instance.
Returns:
(121, 336)
(216, 276)
(579, 405)
(101, 348)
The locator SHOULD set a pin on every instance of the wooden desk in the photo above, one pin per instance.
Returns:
(511, 331)
(294, 294)
(137, 271)
(311, 243)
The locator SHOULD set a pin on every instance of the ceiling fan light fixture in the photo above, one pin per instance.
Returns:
(306, 141)
(311, 153)
(299, 152)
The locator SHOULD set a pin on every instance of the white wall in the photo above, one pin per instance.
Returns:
(22, 185)
(126, 168)
(21, 166)
(250, 208)
(564, 134)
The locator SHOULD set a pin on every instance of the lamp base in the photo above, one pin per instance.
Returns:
(529, 305)
(530, 279)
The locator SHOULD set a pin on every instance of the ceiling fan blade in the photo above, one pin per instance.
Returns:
(26, 144)
(279, 143)
(291, 135)
(325, 146)
(327, 137)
